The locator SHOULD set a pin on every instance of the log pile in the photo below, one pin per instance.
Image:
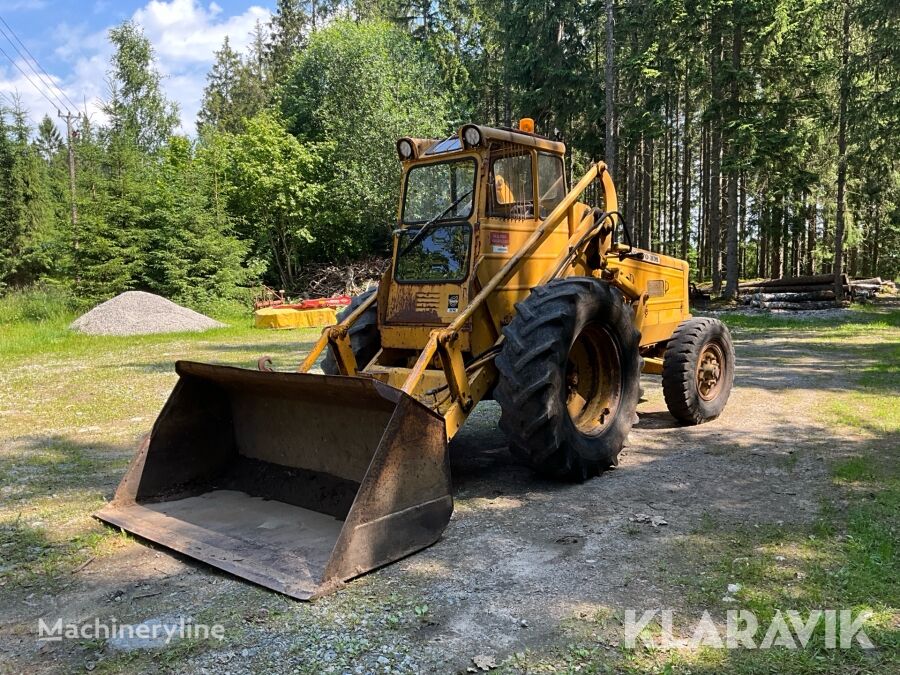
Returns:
(866, 289)
(793, 293)
(808, 292)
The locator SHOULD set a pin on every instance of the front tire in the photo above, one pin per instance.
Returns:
(569, 378)
(365, 339)
(698, 370)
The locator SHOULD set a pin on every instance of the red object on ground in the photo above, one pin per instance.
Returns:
(314, 303)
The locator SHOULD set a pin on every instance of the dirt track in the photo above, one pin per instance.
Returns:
(520, 559)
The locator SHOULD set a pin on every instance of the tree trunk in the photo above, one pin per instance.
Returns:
(610, 75)
(631, 190)
(810, 237)
(762, 252)
(742, 233)
(731, 239)
(647, 192)
(703, 234)
(715, 158)
(686, 175)
(777, 217)
(785, 240)
(842, 156)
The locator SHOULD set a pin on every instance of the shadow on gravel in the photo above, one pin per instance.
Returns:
(656, 420)
(301, 344)
(808, 364)
(36, 466)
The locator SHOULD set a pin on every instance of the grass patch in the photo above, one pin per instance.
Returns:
(862, 318)
(71, 410)
(36, 305)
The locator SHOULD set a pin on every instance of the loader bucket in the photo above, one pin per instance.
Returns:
(296, 482)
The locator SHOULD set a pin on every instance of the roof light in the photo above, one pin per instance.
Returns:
(526, 124)
(405, 149)
(472, 136)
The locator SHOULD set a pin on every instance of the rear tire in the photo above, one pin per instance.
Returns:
(365, 339)
(698, 370)
(569, 378)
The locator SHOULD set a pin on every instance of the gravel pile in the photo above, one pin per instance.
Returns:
(139, 313)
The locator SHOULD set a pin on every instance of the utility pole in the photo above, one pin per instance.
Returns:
(69, 117)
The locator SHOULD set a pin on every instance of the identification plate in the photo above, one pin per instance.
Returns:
(499, 242)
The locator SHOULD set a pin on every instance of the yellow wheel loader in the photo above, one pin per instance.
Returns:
(505, 284)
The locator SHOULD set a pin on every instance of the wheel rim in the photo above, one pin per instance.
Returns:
(593, 380)
(710, 371)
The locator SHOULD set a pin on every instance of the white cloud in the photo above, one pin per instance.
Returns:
(16, 86)
(184, 33)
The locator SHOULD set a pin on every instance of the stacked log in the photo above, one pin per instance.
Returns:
(866, 289)
(813, 291)
(808, 292)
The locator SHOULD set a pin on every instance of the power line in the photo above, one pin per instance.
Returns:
(48, 79)
(45, 78)
(39, 90)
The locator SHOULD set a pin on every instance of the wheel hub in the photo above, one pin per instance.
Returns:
(709, 371)
(593, 380)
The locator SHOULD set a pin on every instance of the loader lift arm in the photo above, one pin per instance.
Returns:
(466, 391)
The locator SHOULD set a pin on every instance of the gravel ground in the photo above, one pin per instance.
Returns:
(834, 313)
(523, 563)
(139, 313)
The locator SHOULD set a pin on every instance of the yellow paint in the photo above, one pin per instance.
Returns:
(280, 318)
(432, 333)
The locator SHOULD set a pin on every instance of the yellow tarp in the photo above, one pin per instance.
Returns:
(269, 317)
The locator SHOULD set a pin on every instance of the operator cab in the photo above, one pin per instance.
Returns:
(444, 195)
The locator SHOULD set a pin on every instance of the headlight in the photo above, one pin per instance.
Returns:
(472, 136)
(405, 148)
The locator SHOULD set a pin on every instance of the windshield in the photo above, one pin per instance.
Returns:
(432, 188)
(442, 254)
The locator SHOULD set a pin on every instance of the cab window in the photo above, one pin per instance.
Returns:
(551, 182)
(511, 189)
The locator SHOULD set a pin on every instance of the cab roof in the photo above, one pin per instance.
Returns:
(433, 147)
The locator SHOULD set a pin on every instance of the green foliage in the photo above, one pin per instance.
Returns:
(276, 192)
(39, 303)
(25, 249)
(220, 108)
(359, 87)
(295, 158)
(137, 108)
(194, 256)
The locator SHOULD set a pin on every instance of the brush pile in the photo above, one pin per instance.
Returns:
(325, 280)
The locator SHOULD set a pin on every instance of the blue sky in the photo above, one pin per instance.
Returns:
(69, 40)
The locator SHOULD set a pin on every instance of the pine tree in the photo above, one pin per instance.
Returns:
(49, 141)
(220, 109)
(288, 30)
